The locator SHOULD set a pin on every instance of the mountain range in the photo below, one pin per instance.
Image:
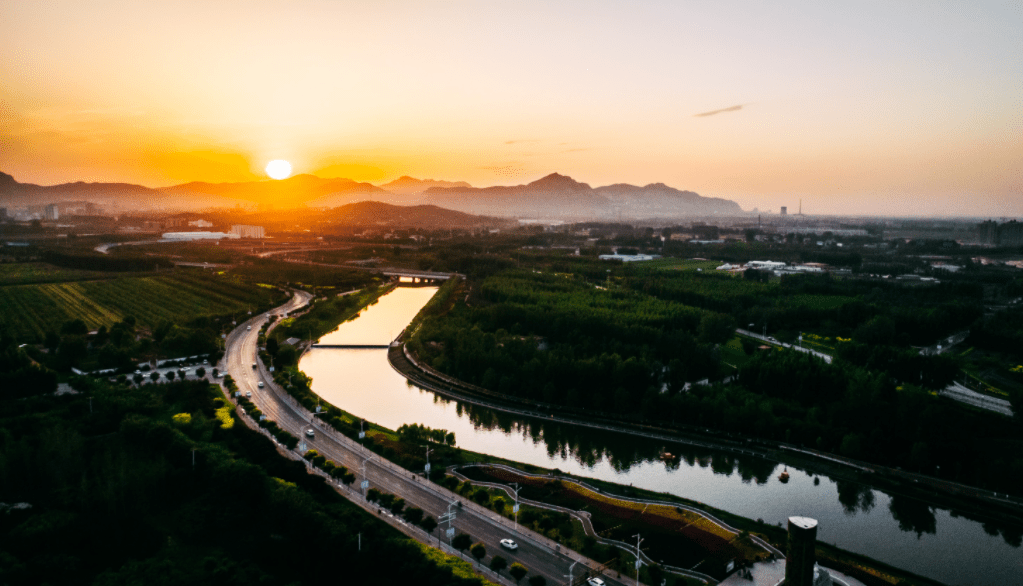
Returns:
(559, 197)
(554, 197)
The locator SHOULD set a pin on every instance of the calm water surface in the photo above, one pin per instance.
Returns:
(904, 532)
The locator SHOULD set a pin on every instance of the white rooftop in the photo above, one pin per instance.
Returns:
(803, 522)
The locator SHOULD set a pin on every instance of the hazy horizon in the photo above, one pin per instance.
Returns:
(880, 109)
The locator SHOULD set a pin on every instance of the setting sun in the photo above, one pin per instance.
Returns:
(278, 169)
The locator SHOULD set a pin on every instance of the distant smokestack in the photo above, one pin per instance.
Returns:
(801, 557)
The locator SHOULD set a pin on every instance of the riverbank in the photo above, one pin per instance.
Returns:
(953, 549)
(963, 499)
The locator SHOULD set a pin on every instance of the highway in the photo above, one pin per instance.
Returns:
(537, 553)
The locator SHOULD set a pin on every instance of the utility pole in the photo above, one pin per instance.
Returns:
(428, 450)
(193, 458)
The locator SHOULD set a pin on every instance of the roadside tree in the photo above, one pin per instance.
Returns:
(518, 571)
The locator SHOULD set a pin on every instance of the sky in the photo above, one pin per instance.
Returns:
(881, 108)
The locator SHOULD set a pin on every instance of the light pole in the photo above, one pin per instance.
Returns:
(365, 481)
(515, 508)
(638, 561)
(428, 450)
(570, 572)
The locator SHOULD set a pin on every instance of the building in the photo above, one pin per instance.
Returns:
(201, 224)
(1005, 234)
(629, 257)
(185, 236)
(248, 231)
(784, 211)
(51, 212)
(3, 214)
(801, 559)
(768, 265)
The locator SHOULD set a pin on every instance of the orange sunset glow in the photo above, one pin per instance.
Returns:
(861, 108)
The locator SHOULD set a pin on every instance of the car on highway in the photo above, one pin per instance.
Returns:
(310, 432)
(259, 384)
(248, 328)
(595, 582)
(509, 544)
(248, 394)
(253, 366)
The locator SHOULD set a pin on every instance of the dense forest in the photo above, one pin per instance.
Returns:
(160, 485)
(625, 348)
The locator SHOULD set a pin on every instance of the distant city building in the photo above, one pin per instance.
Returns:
(51, 212)
(201, 224)
(183, 236)
(3, 214)
(784, 211)
(243, 231)
(629, 257)
(767, 265)
(1006, 234)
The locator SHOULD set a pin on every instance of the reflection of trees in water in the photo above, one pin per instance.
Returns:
(755, 469)
(1012, 535)
(589, 447)
(854, 497)
(913, 515)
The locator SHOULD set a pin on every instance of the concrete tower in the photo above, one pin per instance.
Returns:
(801, 558)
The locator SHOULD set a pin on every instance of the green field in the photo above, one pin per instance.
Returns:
(683, 264)
(24, 273)
(27, 312)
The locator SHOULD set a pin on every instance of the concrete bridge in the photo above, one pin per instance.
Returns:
(418, 276)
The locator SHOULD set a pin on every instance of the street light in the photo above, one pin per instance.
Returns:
(428, 450)
(570, 572)
(365, 481)
(515, 508)
(639, 562)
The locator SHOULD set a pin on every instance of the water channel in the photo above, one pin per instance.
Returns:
(904, 532)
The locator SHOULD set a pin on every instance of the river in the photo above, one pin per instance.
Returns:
(904, 532)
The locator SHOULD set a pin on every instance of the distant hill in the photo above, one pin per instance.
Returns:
(14, 194)
(370, 213)
(659, 200)
(559, 197)
(552, 197)
(299, 189)
(410, 186)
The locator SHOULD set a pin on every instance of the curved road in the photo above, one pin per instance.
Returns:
(535, 552)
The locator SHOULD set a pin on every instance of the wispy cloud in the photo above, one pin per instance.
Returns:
(729, 109)
(520, 141)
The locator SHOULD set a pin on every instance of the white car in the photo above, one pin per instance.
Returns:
(248, 328)
(248, 394)
(259, 384)
(509, 544)
(595, 582)
(310, 432)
